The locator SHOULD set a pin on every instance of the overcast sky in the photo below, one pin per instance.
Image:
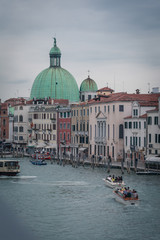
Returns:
(118, 41)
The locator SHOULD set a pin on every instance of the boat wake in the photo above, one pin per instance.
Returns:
(17, 177)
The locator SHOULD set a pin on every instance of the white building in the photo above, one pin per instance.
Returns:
(20, 130)
(106, 123)
(153, 129)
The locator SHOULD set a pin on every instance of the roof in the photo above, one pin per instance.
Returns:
(150, 99)
(142, 116)
(105, 89)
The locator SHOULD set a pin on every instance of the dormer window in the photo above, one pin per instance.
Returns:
(135, 112)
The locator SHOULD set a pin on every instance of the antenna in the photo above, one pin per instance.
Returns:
(148, 87)
(114, 82)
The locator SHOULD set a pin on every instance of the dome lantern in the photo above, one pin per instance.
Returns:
(55, 56)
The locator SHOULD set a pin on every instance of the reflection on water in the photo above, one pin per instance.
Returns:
(65, 203)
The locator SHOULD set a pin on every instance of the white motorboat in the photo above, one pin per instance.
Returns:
(113, 182)
(9, 167)
(126, 197)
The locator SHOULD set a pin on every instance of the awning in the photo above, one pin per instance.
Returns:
(153, 159)
(51, 146)
(82, 149)
(40, 145)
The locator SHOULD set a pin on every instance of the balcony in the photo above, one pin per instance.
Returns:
(100, 140)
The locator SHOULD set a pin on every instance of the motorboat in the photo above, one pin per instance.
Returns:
(42, 156)
(114, 182)
(38, 162)
(126, 196)
(9, 167)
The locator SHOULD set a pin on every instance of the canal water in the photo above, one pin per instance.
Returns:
(53, 202)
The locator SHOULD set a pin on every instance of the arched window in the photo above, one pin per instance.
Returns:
(20, 118)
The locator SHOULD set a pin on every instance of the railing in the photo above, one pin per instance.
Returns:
(100, 139)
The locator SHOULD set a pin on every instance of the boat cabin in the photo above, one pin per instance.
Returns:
(9, 167)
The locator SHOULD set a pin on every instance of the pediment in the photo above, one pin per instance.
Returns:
(101, 115)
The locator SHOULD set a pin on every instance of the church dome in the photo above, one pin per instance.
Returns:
(88, 85)
(55, 82)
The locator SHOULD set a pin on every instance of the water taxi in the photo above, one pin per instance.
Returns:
(126, 196)
(9, 167)
(114, 182)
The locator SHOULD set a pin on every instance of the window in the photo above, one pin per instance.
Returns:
(60, 125)
(139, 125)
(82, 98)
(113, 108)
(64, 125)
(113, 131)
(21, 118)
(16, 129)
(60, 136)
(20, 129)
(108, 131)
(155, 120)
(126, 125)
(64, 136)
(95, 109)
(150, 138)
(121, 108)
(149, 120)
(73, 128)
(83, 112)
(68, 136)
(89, 97)
(68, 125)
(4, 133)
(144, 125)
(84, 126)
(104, 108)
(21, 138)
(87, 112)
(135, 112)
(65, 114)
(4, 122)
(90, 132)
(135, 125)
(95, 130)
(156, 138)
(90, 109)
(108, 109)
(130, 125)
(139, 141)
(126, 140)
(99, 109)
(121, 131)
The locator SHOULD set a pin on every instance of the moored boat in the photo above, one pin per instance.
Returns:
(9, 167)
(126, 196)
(114, 182)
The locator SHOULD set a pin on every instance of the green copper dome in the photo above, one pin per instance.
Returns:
(55, 82)
(88, 85)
